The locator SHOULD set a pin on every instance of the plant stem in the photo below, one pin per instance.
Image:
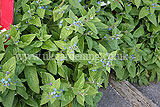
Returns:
(61, 4)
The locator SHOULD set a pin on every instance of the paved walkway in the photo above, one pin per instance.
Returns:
(112, 99)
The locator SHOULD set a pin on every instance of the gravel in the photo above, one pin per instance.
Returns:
(112, 99)
(152, 92)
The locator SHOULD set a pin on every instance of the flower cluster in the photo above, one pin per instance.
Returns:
(77, 23)
(6, 82)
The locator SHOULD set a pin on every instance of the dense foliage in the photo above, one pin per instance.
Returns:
(62, 51)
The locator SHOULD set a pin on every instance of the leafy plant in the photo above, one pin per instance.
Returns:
(62, 51)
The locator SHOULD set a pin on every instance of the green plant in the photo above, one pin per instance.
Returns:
(62, 51)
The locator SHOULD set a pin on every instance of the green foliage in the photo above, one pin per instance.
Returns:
(62, 51)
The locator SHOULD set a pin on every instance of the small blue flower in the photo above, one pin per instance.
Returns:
(74, 22)
(26, 21)
(65, 48)
(104, 37)
(104, 65)
(47, 97)
(52, 93)
(2, 80)
(59, 12)
(60, 24)
(129, 5)
(75, 44)
(79, 0)
(62, 90)
(40, 7)
(89, 62)
(98, 2)
(37, 1)
(112, 38)
(46, 6)
(50, 83)
(7, 36)
(70, 48)
(68, 28)
(147, 9)
(109, 28)
(17, 11)
(61, 60)
(117, 35)
(6, 82)
(72, 52)
(153, 7)
(149, 13)
(55, 89)
(63, 12)
(86, 78)
(17, 29)
(9, 79)
(153, 4)
(0, 67)
(28, 11)
(116, 38)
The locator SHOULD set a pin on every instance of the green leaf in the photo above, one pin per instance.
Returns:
(143, 12)
(44, 99)
(89, 42)
(45, 2)
(80, 99)
(9, 97)
(32, 78)
(139, 32)
(31, 102)
(49, 45)
(34, 59)
(1, 44)
(35, 21)
(26, 39)
(137, 3)
(153, 19)
(47, 78)
(1, 56)
(40, 12)
(22, 91)
(10, 65)
(68, 98)
(52, 67)
(80, 83)
(92, 27)
(66, 31)
(98, 97)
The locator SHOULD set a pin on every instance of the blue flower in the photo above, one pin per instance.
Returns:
(75, 44)
(63, 12)
(79, 0)
(109, 28)
(98, 2)
(89, 62)
(94, 70)
(153, 4)
(149, 13)
(62, 90)
(17, 10)
(47, 97)
(60, 24)
(74, 22)
(9, 79)
(7, 36)
(72, 52)
(40, 7)
(129, 5)
(117, 35)
(46, 6)
(26, 21)
(68, 28)
(0, 67)
(37, 1)
(50, 83)
(104, 37)
(2, 80)
(104, 65)
(61, 60)
(70, 48)
(52, 93)
(17, 29)
(65, 48)
(55, 89)
(6, 82)
(147, 9)
(28, 11)
(112, 38)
